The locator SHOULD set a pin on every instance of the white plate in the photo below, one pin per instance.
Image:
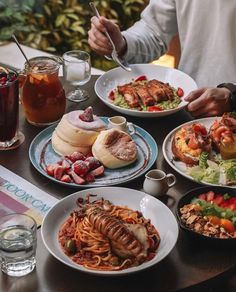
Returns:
(112, 78)
(180, 166)
(161, 217)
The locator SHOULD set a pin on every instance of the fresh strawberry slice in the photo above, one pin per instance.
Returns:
(87, 115)
(66, 178)
(98, 171)
(58, 172)
(50, 169)
(75, 156)
(66, 164)
(80, 167)
(92, 162)
(202, 197)
(210, 196)
(89, 177)
(77, 179)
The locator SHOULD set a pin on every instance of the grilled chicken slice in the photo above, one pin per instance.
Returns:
(144, 95)
(159, 90)
(130, 95)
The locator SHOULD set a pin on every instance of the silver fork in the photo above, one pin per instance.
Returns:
(114, 54)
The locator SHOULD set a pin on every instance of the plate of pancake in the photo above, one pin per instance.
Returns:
(121, 157)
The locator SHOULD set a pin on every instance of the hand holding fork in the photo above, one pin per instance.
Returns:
(114, 53)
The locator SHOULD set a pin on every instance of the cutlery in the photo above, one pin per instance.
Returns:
(114, 54)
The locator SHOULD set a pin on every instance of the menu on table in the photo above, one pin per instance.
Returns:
(17, 195)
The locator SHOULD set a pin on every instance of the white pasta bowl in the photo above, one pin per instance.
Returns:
(117, 76)
(159, 214)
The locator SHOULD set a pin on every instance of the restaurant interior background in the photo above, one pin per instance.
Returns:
(57, 26)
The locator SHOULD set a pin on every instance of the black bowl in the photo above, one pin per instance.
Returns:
(187, 198)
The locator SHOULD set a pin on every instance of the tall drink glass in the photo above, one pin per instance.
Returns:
(18, 240)
(77, 71)
(9, 109)
(43, 96)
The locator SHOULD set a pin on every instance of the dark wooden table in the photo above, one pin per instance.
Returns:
(190, 265)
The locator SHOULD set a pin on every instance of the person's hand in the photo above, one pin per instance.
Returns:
(99, 42)
(207, 102)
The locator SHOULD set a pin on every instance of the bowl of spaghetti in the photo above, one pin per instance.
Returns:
(109, 231)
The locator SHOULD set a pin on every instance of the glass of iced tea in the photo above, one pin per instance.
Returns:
(42, 95)
(10, 137)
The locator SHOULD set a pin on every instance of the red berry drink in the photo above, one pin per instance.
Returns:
(9, 107)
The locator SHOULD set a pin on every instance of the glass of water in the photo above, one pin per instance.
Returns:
(18, 241)
(77, 71)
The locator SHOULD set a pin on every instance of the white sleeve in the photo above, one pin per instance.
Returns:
(149, 38)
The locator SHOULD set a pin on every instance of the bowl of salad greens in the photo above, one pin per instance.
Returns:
(209, 213)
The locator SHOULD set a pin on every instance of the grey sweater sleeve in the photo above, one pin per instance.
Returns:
(148, 38)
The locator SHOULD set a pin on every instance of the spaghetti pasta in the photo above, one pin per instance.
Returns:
(101, 236)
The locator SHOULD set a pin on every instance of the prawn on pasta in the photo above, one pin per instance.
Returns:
(101, 236)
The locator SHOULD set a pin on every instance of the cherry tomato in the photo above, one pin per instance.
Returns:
(219, 199)
(198, 128)
(112, 95)
(154, 108)
(141, 78)
(202, 197)
(210, 196)
(193, 143)
(180, 92)
(231, 206)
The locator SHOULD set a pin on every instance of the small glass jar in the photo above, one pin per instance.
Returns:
(42, 95)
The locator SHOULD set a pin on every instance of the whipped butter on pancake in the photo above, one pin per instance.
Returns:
(77, 131)
(114, 148)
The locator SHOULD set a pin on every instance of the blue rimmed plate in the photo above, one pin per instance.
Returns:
(42, 154)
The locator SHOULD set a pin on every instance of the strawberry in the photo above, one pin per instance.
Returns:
(87, 115)
(92, 162)
(58, 172)
(76, 178)
(80, 167)
(50, 169)
(66, 164)
(98, 171)
(89, 177)
(76, 156)
(66, 178)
